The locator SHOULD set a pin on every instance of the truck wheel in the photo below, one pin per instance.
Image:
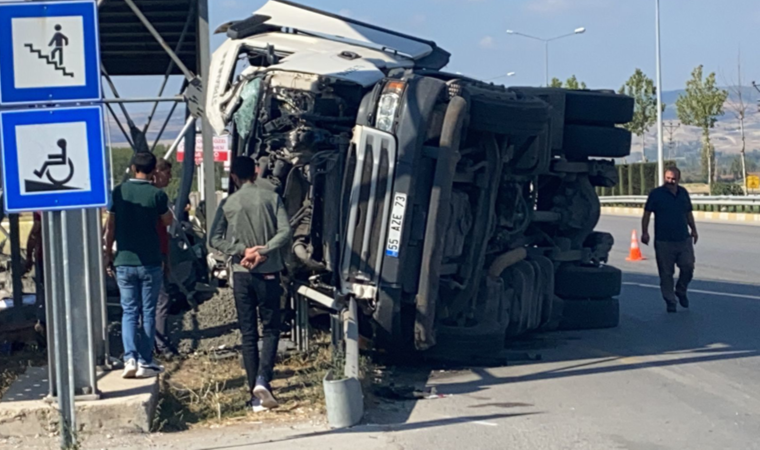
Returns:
(522, 115)
(587, 282)
(546, 286)
(465, 343)
(584, 141)
(590, 314)
(587, 107)
(558, 308)
(604, 108)
(522, 278)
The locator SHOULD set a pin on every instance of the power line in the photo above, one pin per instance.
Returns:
(671, 128)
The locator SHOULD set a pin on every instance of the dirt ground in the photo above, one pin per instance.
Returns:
(212, 326)
(211, 390)
(206, 385)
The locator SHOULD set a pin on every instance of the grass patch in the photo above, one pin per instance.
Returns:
(203, 390)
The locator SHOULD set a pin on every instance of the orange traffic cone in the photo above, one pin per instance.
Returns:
(635, 253)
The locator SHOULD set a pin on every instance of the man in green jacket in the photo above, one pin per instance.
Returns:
(251, 227)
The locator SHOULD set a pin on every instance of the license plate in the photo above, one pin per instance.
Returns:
(395, 225)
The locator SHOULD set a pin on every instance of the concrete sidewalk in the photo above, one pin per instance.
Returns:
(243, 436)
(125, 405)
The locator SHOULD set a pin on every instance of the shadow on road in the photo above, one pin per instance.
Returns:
(385, 427)
(721, 325)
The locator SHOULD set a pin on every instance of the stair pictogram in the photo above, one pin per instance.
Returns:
(49, 60)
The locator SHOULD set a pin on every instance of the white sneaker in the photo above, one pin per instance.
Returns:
(148, 370)
(256, 405)
(130, 368)
(264, 394)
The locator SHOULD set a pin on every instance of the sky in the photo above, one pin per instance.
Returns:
(620, 35)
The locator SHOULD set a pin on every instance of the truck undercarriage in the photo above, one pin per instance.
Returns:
(457, 213)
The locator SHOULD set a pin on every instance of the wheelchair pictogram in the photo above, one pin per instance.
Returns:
(57, 159)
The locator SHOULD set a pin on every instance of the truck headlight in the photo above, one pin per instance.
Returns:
(387, 107)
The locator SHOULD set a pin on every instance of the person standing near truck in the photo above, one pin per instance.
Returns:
(34, 261)
(251, 227)
(161, 179)
(136, 207)
(675, 234)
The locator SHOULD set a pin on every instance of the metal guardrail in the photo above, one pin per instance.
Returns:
(712, 200)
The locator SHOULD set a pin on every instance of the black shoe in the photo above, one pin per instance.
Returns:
(263, 392)
(672, 308)
(683, 300)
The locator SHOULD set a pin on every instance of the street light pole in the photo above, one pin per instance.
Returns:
(508, 74)
(580, 30)
(660, 157)
(546, 63)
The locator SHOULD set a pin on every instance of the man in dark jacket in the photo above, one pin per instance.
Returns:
(136, 207)
(161, 179)
(251, 227)
(673, 242)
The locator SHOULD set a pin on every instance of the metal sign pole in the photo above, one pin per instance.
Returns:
(61, 314)
(72, 180)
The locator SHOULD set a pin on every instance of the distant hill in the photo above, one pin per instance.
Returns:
(140, 118)
(726, 136)
(750, 96)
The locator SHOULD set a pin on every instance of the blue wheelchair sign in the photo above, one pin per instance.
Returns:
(49, 52)
(54, 159)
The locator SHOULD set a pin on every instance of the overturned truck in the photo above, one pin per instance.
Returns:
(458, 213)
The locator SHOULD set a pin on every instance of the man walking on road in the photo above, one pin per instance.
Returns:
(136, 207)
(251, 227)
(673, 243)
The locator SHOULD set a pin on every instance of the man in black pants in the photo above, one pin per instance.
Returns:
(161, 179)
(251, 226)
(675, 235)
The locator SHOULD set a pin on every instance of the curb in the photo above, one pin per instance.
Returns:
(726, 217)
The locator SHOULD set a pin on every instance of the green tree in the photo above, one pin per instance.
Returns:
(644, 94)
(573, 83)
(121, 156)
(738, 168)
(700, 106)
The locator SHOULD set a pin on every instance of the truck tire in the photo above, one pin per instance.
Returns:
(587, 107)
(590, 314)
(584, 141)
(582, 282)
(521, 277)
(545, 284)
(558, 308)
(520, 116)
(594, 107)
(457, 343)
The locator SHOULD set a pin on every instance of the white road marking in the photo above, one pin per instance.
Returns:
(486, 423)
(699, 291)
(476, 422)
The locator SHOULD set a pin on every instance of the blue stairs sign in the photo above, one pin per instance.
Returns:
(49, 53)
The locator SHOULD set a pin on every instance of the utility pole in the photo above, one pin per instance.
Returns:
(660, 162)
(671, 128)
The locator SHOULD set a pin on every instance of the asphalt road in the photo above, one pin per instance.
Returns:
(659, 381)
